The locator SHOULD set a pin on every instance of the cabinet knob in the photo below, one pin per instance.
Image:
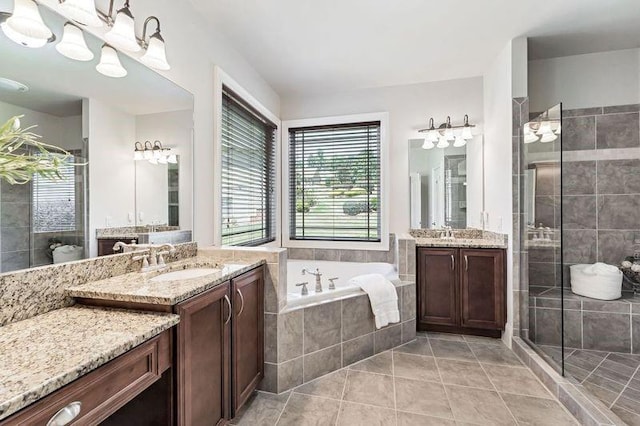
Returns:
(66, 414)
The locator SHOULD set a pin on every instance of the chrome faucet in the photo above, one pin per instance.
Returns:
(151, 261)
(318, 276)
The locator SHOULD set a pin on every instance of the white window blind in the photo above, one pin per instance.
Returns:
(54, 200)
(248, 174)
(334, 182)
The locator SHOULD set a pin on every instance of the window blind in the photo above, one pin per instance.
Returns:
(334, 182)
(248, 174)
(54, 200)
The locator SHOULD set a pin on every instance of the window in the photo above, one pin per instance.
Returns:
(334, 182)
(54, 200)
(248, 174)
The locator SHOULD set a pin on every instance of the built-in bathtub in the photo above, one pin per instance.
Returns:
(343, 271)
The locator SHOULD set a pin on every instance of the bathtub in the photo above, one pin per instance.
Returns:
(344, 271)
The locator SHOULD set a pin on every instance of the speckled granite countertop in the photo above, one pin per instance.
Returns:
(42, 354)
(138, 287)
(460, 242)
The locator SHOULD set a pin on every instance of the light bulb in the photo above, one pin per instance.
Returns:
(25, 25)
(110, 63)
(73, 44)
(123, 34)
(466, 133)
(82, 11)
(460, 142)
(156, 54)
(427, 144)
(443, 142)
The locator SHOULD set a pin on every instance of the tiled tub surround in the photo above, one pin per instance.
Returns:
(42, 354)
(30, 292)
(304, 344)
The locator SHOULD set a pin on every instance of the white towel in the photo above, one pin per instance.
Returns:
(382, 295)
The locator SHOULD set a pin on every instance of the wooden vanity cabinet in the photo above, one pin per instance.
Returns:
(203, 348)
(461, 290)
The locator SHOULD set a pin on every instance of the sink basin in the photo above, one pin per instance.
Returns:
(184, 274)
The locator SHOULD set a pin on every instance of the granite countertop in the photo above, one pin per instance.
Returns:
(461, 242)
(42, 354)
(138, 287)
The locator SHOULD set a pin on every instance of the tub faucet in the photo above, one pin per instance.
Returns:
(318, 276)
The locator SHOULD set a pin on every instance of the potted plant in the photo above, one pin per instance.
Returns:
(23, 154)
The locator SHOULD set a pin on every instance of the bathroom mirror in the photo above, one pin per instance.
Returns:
(98, 119)
(446, 185)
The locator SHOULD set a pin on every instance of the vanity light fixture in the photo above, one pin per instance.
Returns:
(156, 54)
(446, 133)
(25, 25)
(138, 153)
(110, 63)
(73, 44)
(82, 11)
(544, 129)
(123, 33)
(154, 153)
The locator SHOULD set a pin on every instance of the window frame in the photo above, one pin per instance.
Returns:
(383, 244)
(221, 80)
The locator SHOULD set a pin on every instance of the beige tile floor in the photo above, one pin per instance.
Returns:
(438, 379)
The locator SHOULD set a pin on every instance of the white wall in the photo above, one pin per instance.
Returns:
(582, 81)
(409, 109)
(111, 171)
(173, 130)
(65, 132)
(498, 157)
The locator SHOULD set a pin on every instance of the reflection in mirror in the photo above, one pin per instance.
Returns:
(98, 120)
(445, 184)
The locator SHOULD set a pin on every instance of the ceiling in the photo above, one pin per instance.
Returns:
(305, 46)
(57, 84)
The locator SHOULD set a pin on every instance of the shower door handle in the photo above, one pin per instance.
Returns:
(453, 262)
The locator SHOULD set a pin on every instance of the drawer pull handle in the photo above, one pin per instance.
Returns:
(66, 414)
(466, 263)
(453, 262)
(226, 299)
(241, 301)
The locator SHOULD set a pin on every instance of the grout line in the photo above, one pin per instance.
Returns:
(284, 407)
(594, 370)
(393, 380)
(344, 388)
(625, 386)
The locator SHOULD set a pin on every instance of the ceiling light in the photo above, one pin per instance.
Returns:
(110, 63)
(82, 11)
(73, 44)
(12, 85)
(156, 54)
(123, 34)
(25, 25)
(428, 144)
(443, 142)
(460, 142)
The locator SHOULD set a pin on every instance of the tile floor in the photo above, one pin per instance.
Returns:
(438, 379)
(612, 377)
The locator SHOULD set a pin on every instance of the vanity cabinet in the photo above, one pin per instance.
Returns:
(220, 349)
(461, 290)
(115, 387)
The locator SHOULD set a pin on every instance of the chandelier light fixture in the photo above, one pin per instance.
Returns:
(443, 135)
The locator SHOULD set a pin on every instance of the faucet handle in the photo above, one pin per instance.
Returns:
(332, 284)
(145, 260)
(305, 290)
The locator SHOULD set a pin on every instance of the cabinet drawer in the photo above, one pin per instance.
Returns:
(105, 390)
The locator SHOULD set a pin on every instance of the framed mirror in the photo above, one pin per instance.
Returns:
(104, 193)
(446, 184)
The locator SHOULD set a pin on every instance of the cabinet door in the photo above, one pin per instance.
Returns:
(437, 287)
(203, 358)
(247, 335)
(483, 288)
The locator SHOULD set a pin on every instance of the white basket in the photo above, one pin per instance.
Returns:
(605, 284)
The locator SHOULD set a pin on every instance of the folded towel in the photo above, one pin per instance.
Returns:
(382, 296)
